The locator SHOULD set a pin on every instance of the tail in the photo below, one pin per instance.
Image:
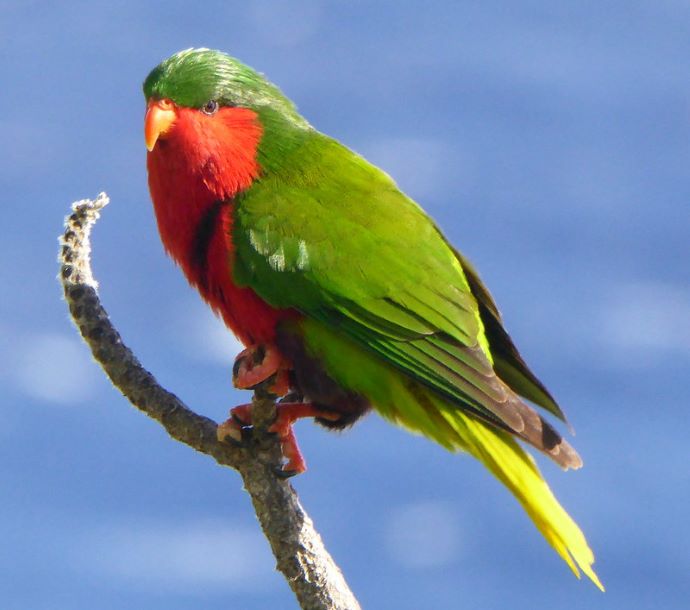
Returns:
(501, 454)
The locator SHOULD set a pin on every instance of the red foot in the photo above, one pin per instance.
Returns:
(286, 414)
(257, 364)
(240, 417)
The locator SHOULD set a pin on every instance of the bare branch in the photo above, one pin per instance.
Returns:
(300, 554)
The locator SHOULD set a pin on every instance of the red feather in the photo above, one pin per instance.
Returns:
(195, 171)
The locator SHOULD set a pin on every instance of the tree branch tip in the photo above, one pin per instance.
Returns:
(91, 205)
(74, 242)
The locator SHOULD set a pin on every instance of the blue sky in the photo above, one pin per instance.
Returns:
(551, 141)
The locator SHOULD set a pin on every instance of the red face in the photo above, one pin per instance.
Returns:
(214, 146)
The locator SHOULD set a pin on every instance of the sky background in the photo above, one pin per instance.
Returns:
(551, 141)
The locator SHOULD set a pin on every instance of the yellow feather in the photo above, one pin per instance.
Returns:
(516, 469)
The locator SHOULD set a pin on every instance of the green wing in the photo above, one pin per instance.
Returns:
(508, 362)
(332, 236)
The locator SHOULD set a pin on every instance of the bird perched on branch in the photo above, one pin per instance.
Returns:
(344, 292)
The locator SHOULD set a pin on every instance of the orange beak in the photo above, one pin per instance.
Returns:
(160, 116)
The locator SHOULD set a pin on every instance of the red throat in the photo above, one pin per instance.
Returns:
(195, 171)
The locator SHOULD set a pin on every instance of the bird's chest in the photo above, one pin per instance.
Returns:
(195, 221)
(202, 246)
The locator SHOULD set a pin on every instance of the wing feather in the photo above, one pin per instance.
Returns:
(349, 249)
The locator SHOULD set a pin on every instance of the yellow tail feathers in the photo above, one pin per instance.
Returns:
(419, 409)
(501, 454)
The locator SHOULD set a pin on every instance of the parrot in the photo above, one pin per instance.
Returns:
(345, 294)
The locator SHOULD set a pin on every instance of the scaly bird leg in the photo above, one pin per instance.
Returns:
(286, 414)
(258, 364)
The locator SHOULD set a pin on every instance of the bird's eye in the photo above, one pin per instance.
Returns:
(210, 107)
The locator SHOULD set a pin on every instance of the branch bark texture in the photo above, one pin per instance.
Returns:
(300, 554)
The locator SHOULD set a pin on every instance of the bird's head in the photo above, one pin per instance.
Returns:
(208, 83)
(206, 109)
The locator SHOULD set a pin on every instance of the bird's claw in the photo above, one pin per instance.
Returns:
(230, 440)
(274, 386)
(285, 473)
(237, 430)
(261, 368)
(229, 432)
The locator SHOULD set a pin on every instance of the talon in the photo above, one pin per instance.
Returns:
(284, 474)
(247, 435)
(230, 432)
(258, 365)
(237, 429)
(292, 396)
(280, 383)
(240, 423)
(242, 414)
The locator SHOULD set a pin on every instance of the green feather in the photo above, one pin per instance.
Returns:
(380, 272)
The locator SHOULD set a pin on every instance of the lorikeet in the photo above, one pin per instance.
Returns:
(345, 293)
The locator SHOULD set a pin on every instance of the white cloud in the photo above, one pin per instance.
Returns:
(423, 534)
(644, 320)
(626, 325)
(177, 556)
(53, 367)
